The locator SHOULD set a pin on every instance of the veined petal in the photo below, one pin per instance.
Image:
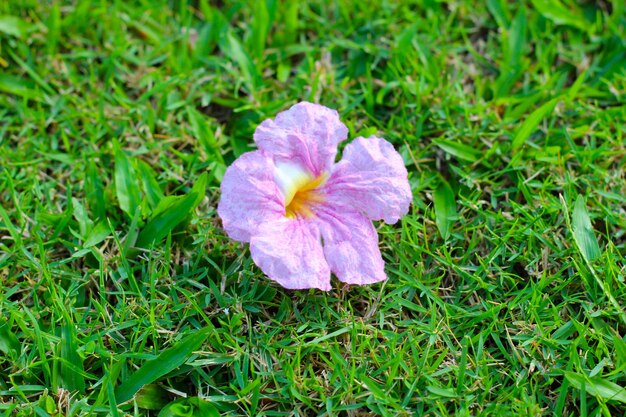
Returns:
(250, 196)
(306, 134)
(289, 251)
(371, 177)
(350, 245)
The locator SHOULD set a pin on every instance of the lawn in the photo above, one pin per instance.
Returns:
(121, 294)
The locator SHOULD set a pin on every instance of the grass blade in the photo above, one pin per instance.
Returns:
(94, 192)
(150, 185)
(441, 392)
(531, 123)
(85, 224)
(232, 47)
(459, 150)
(445, 209)
(204, 133)
(555, 11)
(190, 407)
(167, 361)
(171, 212)
(9, 343)
(585, 238)
(583, 231)
(290, 20)
(32, 73)
(152, 397)
(111, 396)
(71, 364)
(597, 386)
(19, 87)
(14, 26)
(126, 187)
(259, 29)
(516, 39)
(99, 232)
(498, 11)
(513, 40)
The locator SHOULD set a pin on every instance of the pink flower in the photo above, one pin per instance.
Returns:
(306, 216)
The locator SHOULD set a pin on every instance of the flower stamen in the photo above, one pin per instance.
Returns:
(299, 188)
(304, 198)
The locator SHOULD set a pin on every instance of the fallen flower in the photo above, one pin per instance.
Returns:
(306, 216)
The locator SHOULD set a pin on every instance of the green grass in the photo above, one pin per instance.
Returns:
(506, 291)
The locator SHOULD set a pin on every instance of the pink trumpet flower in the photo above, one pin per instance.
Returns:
(306, 216)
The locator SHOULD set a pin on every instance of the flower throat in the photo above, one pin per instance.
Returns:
(300, 188)
(304, 198)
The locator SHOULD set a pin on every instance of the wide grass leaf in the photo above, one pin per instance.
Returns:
(459, 150)
(150, 184)
(85, 224)
(126, 187)
(231, 46)
(19, 87)
(259, 28)
(514, 40)
(164, 363)
(99, 232)
(14, 26)
(205, 134)
(71, 364)
(555, 11)
(597, 386)
(190, 407)
(531, 123)
(445, 209)
(170, 213)
(498, 11)
(583, 231)
(441, 392)
(9, 343)
(94, 192)
(152, 397)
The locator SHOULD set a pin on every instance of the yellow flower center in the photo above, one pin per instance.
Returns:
(299, 187)
(304, 198)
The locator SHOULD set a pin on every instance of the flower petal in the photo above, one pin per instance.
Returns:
(351, 245)
(250, 196)
(290, 252)
(306, 134)
(371, 177)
